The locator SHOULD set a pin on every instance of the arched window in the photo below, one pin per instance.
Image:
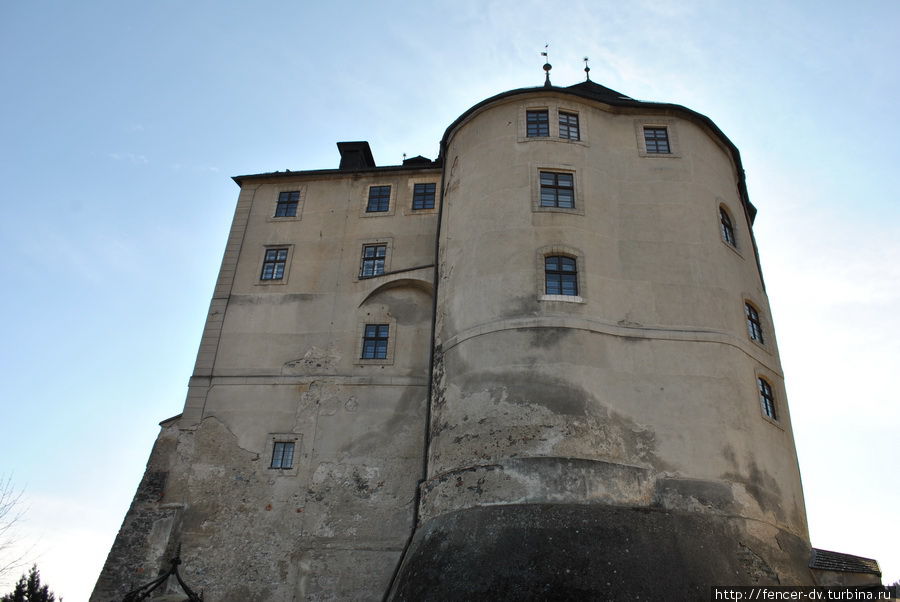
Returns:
(754, 325)
(727, 227)
(766, 398)
(560, 276)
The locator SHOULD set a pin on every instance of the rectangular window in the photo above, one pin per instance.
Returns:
(754, 325)
(372, 260)
(283, 455)
(379, 199)
(537, 123)
(656, 140)
(557, 189)
(274, 264)
(560, 276)
(568, 126)
(767, 398)
(375, 342)
(423, 196)
(287, 204)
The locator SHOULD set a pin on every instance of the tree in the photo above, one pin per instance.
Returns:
(29, 589)
(11, 512)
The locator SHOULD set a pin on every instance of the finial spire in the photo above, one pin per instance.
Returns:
(547, 66)
(587, 70)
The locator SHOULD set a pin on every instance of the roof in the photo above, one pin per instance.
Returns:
(825, 560)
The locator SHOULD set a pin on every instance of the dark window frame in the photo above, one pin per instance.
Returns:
(379, 199)
(537, 123)
(561, 275)
(726, 226)
(287, 204)
(656, 140)
(550, 192)
(569, 126)
(375, 341)
(754, 323)
(424, 196)
(274, 264)
(371, 262)
(283, 455)
(766, 398)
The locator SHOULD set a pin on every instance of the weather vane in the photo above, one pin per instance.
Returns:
(587, 70)
(547, 66)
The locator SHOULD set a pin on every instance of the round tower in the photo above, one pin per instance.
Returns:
(608, 416)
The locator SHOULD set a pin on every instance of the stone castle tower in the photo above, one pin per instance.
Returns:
(541, 366)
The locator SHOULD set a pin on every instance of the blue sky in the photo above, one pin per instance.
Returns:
(123, 122)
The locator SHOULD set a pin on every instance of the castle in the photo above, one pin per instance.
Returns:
(541, 366)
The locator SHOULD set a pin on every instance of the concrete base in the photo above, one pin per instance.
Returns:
(579, 552)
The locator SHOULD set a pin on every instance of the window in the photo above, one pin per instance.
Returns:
(568, 126)
(423, 196)
(557, 190)
(273, 264)
(656, 140)
(287, 204)
(537, 123)
(372, 260)
(379, 199)
(754, 326)
(283, 455)
(375, 342)
(560, 276)
(727, 227)
(766, 398)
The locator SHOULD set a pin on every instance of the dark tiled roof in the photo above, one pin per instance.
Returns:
(835, 561)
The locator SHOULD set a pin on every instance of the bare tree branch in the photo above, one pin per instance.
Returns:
(11, 512)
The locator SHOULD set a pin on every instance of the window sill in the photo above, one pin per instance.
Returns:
(563, 298)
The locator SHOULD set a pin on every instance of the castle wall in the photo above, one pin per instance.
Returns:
(280, 362)
(638, 392)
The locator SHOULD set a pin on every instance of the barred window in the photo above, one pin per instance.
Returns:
(273, 264)
(656, 140)
(560, 275)
(767, 398)
(423, 196)
(372, 260)
(568, 126)
(287, 204)
(375, 342)
(754, 325)
(727, 227)
(557, 189)
(537, 123)
(283, 455)
(379, 199)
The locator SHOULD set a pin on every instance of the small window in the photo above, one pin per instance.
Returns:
(274, 264)
(287, 204)
(423, 196)
(656, 140)
(560, 276)
(767, 398)
(754, 326)
(727, 227)
(375, 342)
(372, 260)
(282, 455)
(379, 199)
(568, 126)
(537, 123)
(557, 190)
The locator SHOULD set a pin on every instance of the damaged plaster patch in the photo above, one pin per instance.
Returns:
(314, 361)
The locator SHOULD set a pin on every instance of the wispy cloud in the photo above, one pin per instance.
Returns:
(130, 158)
